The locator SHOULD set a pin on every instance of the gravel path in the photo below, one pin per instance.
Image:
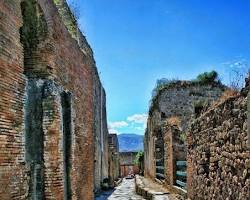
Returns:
(125, 191)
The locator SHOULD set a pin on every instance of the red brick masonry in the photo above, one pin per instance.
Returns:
(43, 56)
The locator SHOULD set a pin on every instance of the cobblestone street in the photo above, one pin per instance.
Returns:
(125, 191)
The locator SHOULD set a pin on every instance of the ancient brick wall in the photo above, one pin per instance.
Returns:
(218, 155)
(127, 163)
(126, 170)
(105, 137)
(13, 176)
(47, 103)
(100, 134)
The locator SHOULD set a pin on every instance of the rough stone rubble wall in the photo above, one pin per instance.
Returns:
(178, 100)
(57, 61)
(218, 156)
(181, 100)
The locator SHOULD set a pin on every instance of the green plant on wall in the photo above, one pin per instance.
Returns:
(139, 161)
(208, 77)
(139, 157)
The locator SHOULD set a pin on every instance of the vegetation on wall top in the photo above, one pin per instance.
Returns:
(205, 78)
(208, 77)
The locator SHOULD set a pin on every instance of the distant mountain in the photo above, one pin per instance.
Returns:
(130, 142)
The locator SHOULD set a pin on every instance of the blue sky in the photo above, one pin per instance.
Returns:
(136, 42)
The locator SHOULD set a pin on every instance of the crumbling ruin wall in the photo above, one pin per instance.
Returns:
(47, 103)
(218, 155)
(175, 150)
(181, 100)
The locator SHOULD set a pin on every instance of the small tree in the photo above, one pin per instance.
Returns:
(208, 77)
(139, 160)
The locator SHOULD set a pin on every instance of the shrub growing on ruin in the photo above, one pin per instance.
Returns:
(208, 77)
(139, 160)
(139, 157)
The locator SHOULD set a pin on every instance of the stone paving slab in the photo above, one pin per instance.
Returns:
(161, 197)
(151, 190)
(125, 191)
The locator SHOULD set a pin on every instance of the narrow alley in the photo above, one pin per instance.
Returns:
(124, 100)
(125, 191)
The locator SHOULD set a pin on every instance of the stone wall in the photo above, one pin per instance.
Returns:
(126, 170)
(174, 150)
(182, 101)
(47, 114)
(127, 158)
(218, 155)
(127, 163)
(181, 98)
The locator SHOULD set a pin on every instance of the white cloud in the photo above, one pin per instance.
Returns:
(138, 118)
(113, 131)
(134, 122)
(119, 124)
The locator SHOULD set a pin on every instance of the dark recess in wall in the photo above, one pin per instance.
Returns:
(67, 140)
(34, 138)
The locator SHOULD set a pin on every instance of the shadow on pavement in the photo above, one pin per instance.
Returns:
(104, 195)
